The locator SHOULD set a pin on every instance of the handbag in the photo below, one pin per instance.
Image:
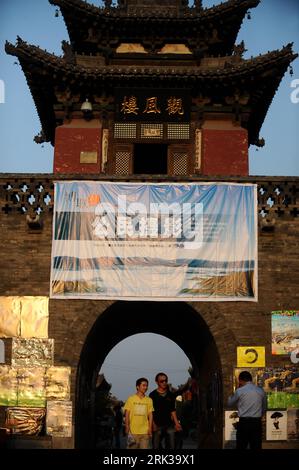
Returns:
(130, 440)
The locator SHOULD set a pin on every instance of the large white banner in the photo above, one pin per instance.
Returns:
(140, 241)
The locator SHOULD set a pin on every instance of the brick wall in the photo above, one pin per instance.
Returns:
(25, 270)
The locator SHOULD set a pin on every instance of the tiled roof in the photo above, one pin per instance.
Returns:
(29, 55)
(192, 25)
(86, 8)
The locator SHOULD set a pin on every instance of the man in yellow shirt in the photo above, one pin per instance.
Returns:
(139, 416)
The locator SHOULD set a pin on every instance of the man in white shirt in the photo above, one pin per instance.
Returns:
(251, 402)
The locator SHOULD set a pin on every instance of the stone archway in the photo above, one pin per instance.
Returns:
(192, 331)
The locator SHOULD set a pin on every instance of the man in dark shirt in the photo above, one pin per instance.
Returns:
(165, 421)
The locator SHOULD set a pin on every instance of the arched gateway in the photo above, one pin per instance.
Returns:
(201, 334)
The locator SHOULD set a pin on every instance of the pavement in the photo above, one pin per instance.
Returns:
(188, 443)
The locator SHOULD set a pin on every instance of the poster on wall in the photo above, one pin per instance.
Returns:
(59, 418)
(282, 400)
(142, 241)
(24, 316)
(285, 331)
(276, 425)
(250, 356)
(28, 421)
(279, 379)
(231, 422)
(293, 424)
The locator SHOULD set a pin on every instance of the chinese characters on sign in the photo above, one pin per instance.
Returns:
(144, 105)
(129, 105)
(174, 106)
(151, 106)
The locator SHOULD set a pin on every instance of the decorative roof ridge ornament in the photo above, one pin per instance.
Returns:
(154, 8)
(40, 138)
(68, 53)
(197, 5)
(107, 4)
(151, 8)
(131, 7)
(288, 46)
(230, 5)
(239, 49)
(20, 41)
(24, 46)
(259, 142)
(83, 5)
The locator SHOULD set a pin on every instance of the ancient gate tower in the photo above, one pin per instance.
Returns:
(145, 92)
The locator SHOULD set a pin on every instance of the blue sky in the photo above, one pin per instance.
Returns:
(144, 355)
(273, 24)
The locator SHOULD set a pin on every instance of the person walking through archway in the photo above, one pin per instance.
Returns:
(165, 420)
(139, 417)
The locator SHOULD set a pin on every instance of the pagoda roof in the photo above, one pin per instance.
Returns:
(211, 30)
(48, 75)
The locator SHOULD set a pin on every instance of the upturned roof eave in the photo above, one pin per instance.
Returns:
(30, 55)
